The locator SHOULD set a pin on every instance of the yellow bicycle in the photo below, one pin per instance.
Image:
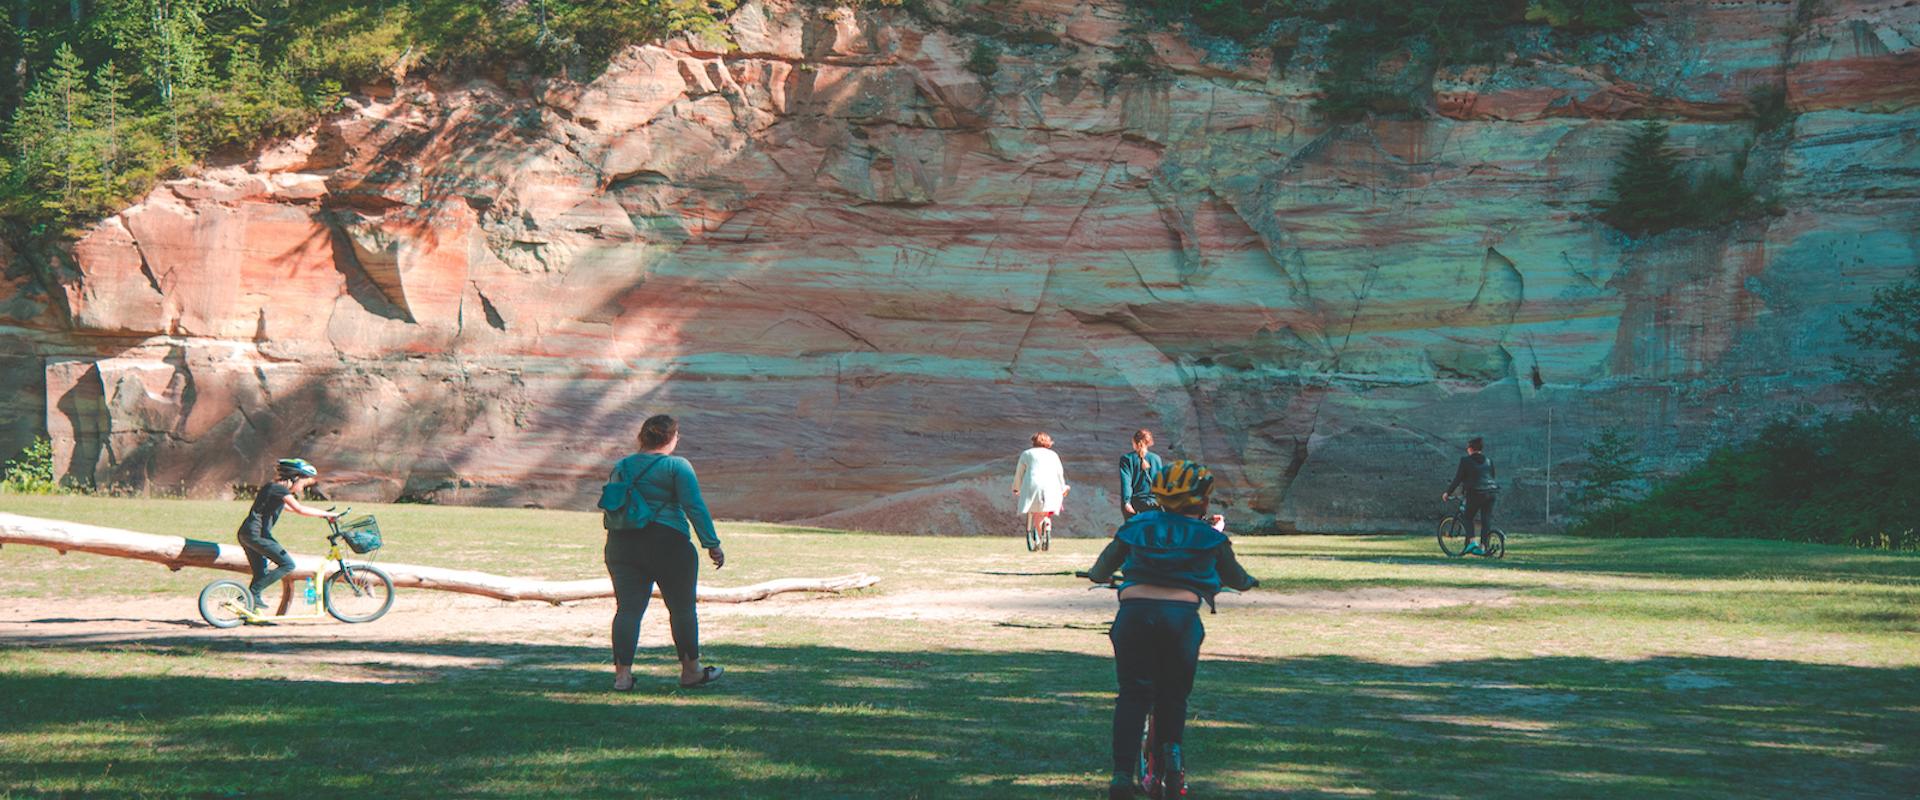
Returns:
(349, 592)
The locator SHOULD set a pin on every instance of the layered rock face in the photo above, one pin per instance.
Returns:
(862, 275)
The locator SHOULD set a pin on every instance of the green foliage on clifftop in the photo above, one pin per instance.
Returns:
(1380, 53)
(111, 94)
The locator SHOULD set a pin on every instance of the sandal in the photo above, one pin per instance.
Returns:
(707, 675)
(627, 687)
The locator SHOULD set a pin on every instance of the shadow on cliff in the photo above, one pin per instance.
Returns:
(455, 718)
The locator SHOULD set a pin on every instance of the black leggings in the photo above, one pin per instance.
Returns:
(1480, 505)
(1156, 648)
(636, 560)
(260, 550)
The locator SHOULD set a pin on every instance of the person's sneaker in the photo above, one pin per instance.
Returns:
(1473, 549)
(1122, 789)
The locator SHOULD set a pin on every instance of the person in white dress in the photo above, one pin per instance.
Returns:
(1039, 483)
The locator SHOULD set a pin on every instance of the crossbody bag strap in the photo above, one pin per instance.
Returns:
(634, 485)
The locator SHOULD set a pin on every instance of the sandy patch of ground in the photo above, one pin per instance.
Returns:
(442, 616)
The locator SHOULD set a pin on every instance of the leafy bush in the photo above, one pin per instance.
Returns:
(1839, 481)
(984, 60)
(31, 472)
(1134, 60)
(1836, 481)
(1435, 32)
(1599, 15)
(1648, 193)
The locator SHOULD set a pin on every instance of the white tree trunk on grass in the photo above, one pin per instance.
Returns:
(176, 552)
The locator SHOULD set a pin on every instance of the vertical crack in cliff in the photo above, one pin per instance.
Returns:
(1139, 275)
(1360, 296)
(1039, 308)
(1302, 450)
(1073, 229)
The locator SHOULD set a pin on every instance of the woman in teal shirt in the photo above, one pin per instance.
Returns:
(1137, 470)
(647, 543)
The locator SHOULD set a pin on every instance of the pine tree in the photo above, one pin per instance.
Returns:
(114, 118)
(1648, 195)
(1609, 478)
(1889, 329)
(53, 137)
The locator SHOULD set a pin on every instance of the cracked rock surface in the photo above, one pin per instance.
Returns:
(862, 275)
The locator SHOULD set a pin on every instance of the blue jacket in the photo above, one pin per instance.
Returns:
(1136, 480)
(1167, 549)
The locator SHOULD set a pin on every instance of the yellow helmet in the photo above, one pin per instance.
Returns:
(1182, 484)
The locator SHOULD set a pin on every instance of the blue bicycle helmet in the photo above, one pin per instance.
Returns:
(296, 468)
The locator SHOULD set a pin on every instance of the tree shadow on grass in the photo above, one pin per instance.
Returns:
(485, 719)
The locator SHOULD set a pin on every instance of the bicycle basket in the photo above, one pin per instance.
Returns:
(362, 535)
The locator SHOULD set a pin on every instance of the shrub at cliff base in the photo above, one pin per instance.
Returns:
(31, 472)
(1839, 481)
(1835, 481)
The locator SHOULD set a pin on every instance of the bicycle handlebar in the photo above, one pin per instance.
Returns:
(333, 522)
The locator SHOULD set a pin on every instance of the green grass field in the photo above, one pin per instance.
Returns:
(1364, 666)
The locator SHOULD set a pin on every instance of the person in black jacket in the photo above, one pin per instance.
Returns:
(1170, 558)
(1475, 476)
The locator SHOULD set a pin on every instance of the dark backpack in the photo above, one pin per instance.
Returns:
(620, 502)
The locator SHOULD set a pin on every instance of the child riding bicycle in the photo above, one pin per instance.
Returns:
(1170, 558)
(291, 477)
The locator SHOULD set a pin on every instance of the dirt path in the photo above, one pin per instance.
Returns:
(441, 616)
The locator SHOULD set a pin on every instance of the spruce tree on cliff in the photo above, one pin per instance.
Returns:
(1888, 329)
(1648, 195)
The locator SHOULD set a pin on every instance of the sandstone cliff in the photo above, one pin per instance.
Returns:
(862, 274)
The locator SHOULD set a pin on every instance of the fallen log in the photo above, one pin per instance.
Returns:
(176, 552)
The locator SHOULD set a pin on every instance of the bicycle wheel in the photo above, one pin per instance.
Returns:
(1149, 761)
(361, 597)
(1453, 537)
(1496, 543)
(1046, 534)
(222, 601)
